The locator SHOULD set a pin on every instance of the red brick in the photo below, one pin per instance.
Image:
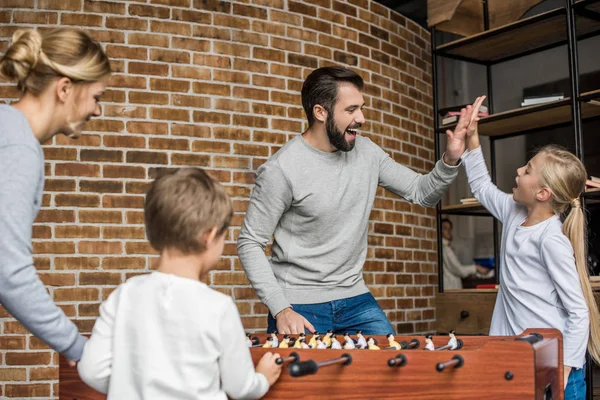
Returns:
(211, 32)
(148, 39)
(170, 114)
(99, 278)
(170, 85)
(213, 5)
(250, 11)
(146, 157)
(28, 358)
(231, 105)
(232, 133)
(28, 17)
(73, 5)
(149, 11)
(81, 19)
(248, 65)
(76, 231)
(103, 7)
(197, 160)
(139, 248)
(123, 263)
(130, 24)
(170, 56)
(197, 17)
(250, 93)
(132, 82)
(57, 216)
(190, 130)
(232, 49)
(212, 117)
(169, 144)
(190, 44)
(148, 69)
(210, 88)
(190, 101)
(124, 141)
(99, 247)
(123, 171)
(55, 279)
(123, 232)
(76, 263)
(100, 216)
(149, 128)
(231, 162)
(148, 98)
(174, 28)
(12, 343)
(101, 186)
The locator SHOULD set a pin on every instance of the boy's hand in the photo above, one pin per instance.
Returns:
(267, 366)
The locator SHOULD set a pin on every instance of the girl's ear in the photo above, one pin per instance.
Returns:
(544, 194)
(63, 89)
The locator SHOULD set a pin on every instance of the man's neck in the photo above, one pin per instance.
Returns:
(316, 136)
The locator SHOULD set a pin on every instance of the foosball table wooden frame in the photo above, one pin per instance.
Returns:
(528, 366)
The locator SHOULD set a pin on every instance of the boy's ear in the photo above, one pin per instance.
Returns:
(544, 194)
(210, 235)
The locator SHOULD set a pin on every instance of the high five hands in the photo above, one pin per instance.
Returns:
(466, 126)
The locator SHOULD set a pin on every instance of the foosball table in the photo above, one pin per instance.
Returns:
(528, 366)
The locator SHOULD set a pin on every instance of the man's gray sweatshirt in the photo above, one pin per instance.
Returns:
(21, 187)
(317, 205)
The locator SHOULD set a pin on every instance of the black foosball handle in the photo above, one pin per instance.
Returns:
(293, 357)
(310, 367)
(456, 362)
(398, 361)
(414, 344)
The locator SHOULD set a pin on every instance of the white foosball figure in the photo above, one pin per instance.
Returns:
(275, 343)
(429, 343)
(248, 340)
(453, 342)
(335, 344)
(361, 341)
(321, 344)
(348, 342)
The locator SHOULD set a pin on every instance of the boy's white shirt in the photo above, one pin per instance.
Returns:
(539, 283)
(161, 336)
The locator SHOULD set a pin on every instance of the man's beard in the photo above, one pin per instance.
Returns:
(337, 138)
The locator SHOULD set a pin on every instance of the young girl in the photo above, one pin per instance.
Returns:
(61, 73)
(544, 280)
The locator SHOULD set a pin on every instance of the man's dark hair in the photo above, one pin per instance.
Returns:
(321, 87)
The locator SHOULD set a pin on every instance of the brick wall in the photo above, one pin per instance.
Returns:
(215, 84)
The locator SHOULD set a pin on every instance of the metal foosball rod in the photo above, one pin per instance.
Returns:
(398, 361)
(311, 366)
(456, 362)
(413, 344)
(459, 345)
(292, 357)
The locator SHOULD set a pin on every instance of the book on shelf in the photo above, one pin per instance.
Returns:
(593, 182)
(594, 102)
(468, 200)
(450, 119)
(534, 100)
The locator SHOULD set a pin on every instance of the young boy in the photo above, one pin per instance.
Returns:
(167, 335)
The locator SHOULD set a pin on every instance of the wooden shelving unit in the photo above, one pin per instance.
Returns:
(533, 34)
(465, 209)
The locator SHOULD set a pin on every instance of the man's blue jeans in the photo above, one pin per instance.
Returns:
(576, 389)
(345, 315)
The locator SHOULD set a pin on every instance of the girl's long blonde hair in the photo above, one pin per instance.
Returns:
(564, 174)
(34, 59)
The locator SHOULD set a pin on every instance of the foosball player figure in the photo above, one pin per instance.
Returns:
(453, 342)
(362, 342)
(275, 339)
(268, 343)
(299, 343)
(285, 343)
(320, 343)
(335, 344)
(371, 344)
(249, 340)
(312, 343)
(429, 343)
(327, 338)
(392, 342)
(348, 342)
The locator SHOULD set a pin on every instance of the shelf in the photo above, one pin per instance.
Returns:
(581, 6)
(592, 196)
(526, 36)
(535, 117)
(465, 209)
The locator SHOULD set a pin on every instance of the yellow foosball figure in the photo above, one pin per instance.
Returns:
(392, 342)
(371, 344)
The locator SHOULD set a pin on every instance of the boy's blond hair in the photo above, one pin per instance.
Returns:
(181, 206)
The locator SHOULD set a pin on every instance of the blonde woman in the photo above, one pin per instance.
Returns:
(62, 74)
(544, 281)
